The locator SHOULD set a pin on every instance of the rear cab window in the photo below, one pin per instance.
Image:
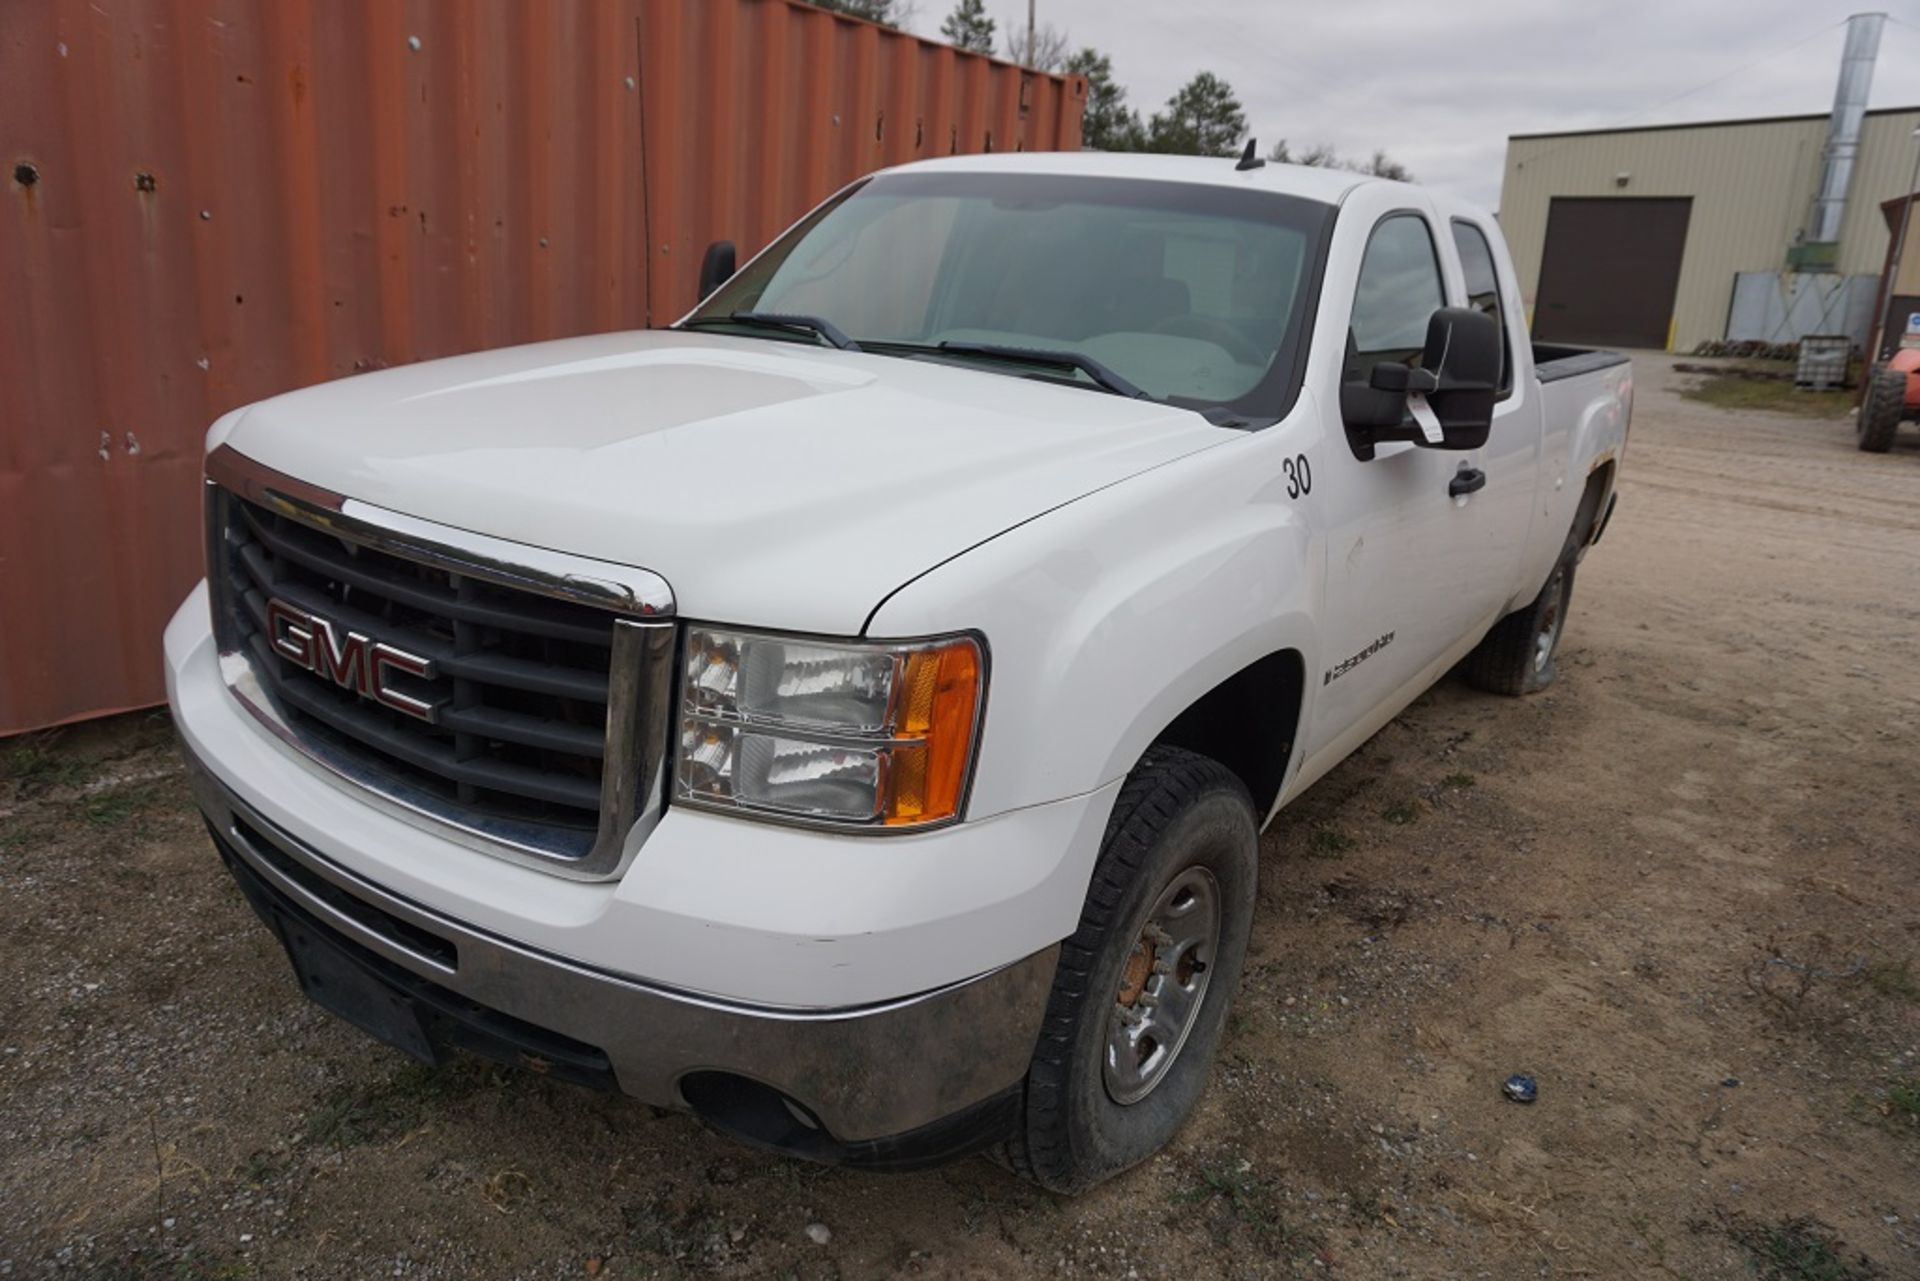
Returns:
(1483, 289)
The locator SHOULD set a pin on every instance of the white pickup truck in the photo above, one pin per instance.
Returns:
(851, 713)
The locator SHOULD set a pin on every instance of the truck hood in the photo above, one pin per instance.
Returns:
(770, 483)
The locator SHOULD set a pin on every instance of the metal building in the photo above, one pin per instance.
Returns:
(1666, 236)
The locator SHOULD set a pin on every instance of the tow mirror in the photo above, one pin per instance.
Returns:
(1458, 373)
(717, 268)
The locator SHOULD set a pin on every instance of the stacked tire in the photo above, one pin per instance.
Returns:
(1881, 408)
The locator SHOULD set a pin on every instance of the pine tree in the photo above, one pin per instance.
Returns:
(969, 27)
(1108, 124)
(881, 11)
(1203, 119)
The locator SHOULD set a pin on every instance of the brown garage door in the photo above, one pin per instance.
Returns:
(1610, 269)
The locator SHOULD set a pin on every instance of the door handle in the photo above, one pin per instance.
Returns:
(1466, 481)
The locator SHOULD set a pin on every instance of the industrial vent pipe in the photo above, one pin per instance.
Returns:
(1843, 134)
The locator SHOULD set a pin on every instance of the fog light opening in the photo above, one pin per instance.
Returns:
(758, 1114)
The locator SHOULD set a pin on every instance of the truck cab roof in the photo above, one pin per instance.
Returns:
(1329, 186)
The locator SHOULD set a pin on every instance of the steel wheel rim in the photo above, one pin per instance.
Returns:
(1163, 986)
(1548, 634)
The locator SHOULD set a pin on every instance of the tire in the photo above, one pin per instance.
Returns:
(1517, 656)
(1881, 409)
(1182, 823)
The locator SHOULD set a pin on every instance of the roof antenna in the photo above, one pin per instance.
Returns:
(1248, 160)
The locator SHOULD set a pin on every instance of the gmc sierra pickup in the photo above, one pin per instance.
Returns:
(851, 713)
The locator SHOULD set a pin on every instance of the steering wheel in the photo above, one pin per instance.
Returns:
(1217, 332)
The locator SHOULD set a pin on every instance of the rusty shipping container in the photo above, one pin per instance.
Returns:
(211, 201)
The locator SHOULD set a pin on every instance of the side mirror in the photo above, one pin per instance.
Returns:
(717, 268)
(1458, 373)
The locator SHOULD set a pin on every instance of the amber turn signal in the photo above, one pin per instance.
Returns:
(937, 717)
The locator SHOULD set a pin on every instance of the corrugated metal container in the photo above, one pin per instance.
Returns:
(1752, 184)
(211, 201)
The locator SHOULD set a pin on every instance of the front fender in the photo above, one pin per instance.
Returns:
(1107, 617)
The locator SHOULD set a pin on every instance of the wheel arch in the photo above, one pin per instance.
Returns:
(1593, 500)
(1248, 722)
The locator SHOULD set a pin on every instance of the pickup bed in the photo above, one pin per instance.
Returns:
(850, 714)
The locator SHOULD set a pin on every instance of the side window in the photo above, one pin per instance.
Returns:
(1483, 289)
(1398, 293)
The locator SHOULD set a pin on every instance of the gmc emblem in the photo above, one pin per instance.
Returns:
(350, 660)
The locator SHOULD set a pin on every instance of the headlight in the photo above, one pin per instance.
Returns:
(843, 732)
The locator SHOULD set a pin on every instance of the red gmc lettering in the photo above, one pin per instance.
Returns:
(352, 660)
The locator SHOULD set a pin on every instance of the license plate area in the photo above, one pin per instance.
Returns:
(343, 987)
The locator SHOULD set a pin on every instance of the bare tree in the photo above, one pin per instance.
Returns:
(1322, 156)
(1384, 166)
(1050, 47)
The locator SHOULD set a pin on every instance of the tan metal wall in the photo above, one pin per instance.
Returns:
(211, 201)
(1752, 186)
(1908, 282)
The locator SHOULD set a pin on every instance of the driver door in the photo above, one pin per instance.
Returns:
(1395, 537)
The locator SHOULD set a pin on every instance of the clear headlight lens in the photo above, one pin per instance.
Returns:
(848, 732)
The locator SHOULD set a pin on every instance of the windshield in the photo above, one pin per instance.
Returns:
(1196, 295)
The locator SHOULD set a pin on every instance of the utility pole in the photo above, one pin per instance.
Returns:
(1030, 30)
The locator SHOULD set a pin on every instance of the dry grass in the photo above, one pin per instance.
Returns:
(1768, 387)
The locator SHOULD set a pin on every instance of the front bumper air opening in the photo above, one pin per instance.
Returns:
(760, 1115)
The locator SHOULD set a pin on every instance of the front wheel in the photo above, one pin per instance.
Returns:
(1140, 998)
(1881, 408)
(1516, 657)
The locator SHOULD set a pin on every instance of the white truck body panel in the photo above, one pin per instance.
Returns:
(753, 476)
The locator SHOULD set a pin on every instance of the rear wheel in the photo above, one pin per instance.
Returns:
(1140, 998)
(1516, 657)
(1881, 408)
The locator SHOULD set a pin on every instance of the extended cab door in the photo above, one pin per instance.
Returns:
(1497, 515)
(1415, 570)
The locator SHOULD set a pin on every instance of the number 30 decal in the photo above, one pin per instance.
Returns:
(1299, 476)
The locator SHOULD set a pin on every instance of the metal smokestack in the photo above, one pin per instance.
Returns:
(1843, 135)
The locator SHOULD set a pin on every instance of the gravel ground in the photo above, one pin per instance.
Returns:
(1682, 889)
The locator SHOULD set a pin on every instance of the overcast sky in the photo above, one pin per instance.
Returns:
(1440, 85)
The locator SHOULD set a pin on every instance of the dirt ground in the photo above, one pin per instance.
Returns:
(1682, 889)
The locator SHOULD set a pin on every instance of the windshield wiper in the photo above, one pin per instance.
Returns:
(1104, 378)
(1053, 357)
(820, 325)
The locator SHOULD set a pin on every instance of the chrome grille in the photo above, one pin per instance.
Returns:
(521, 750)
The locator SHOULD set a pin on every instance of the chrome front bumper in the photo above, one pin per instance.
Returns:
(899, 1083)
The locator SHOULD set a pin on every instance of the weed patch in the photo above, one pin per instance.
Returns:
(1329, 842)
(112, 808)
(1903, 1101)
(1895, 981)
(680, 1230)
(1798, 1249)
(36, 766)
(1233, 1200)
(353, 1116)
